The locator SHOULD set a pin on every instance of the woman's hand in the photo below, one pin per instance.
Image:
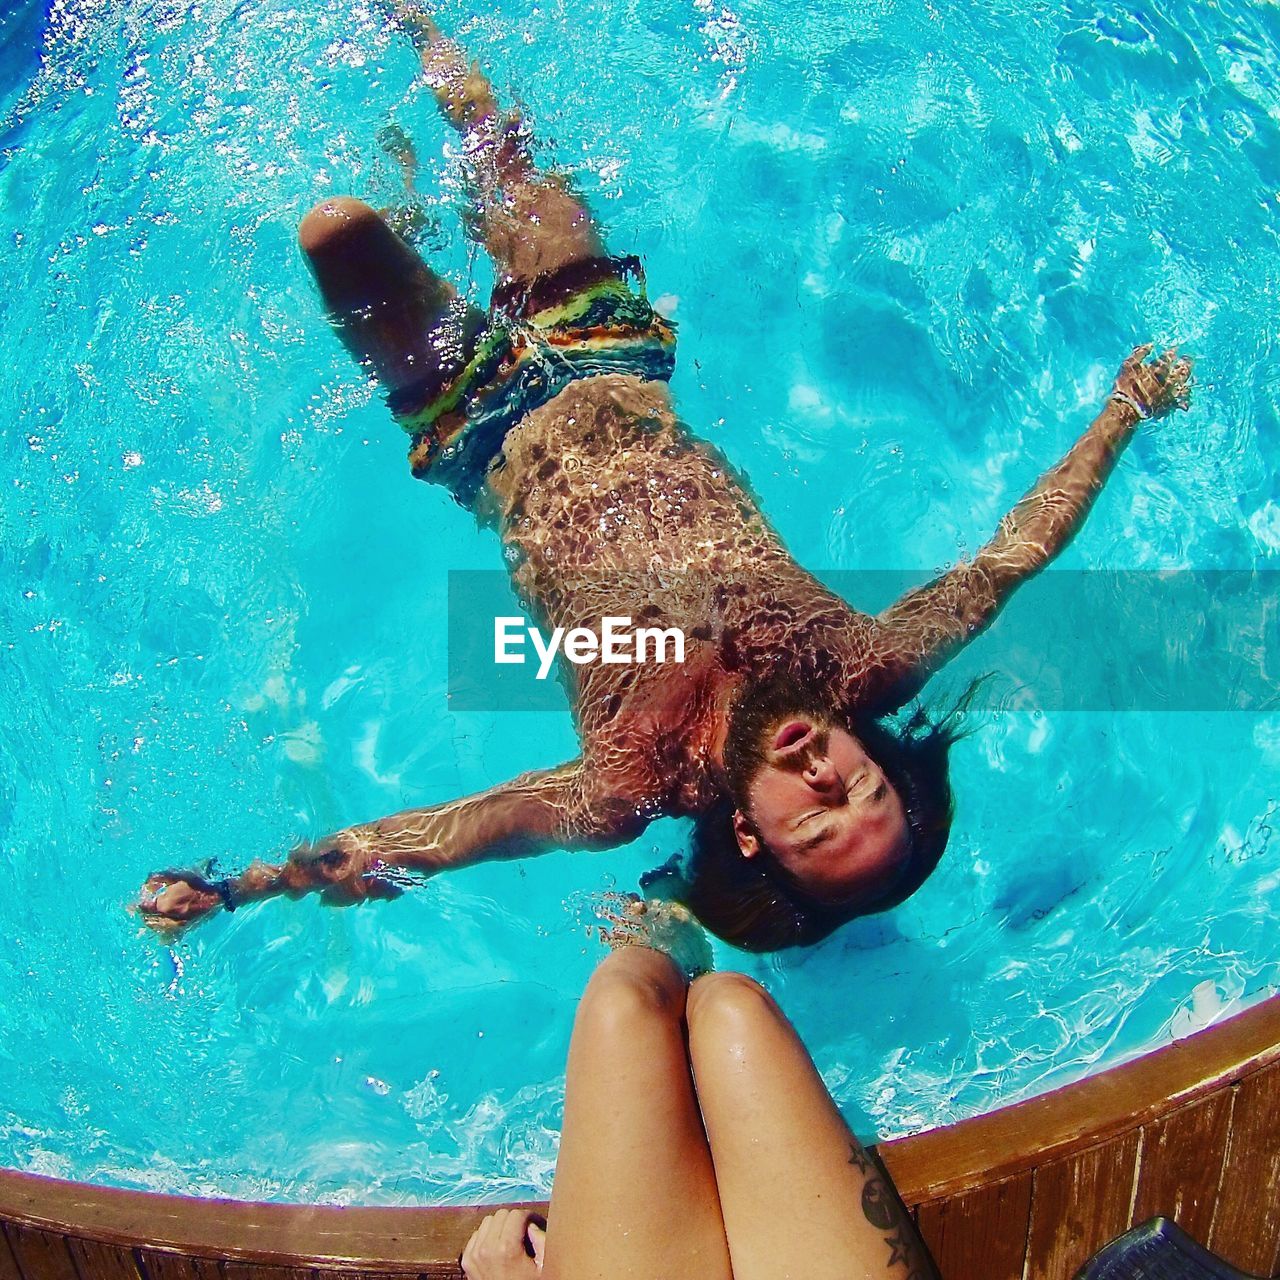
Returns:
(497, 1248)
(172, 900)
(1156, 388)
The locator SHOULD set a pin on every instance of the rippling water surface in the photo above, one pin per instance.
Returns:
(907, 244)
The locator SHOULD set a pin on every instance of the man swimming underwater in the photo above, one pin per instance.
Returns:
(552, 419)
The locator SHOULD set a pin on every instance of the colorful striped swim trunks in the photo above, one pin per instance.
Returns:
(583, 320)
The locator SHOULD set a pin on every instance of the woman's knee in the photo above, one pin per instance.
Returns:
(633, 983)
(728, 1005)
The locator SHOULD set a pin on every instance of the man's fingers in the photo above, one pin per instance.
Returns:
(1174, 373)
(184, 906)
(150, 894)
(163, 925)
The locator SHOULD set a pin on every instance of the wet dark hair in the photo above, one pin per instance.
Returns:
(756, 904)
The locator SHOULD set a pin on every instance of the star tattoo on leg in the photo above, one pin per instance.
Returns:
(901, 1248)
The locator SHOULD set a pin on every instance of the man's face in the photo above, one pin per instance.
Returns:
(824, 808)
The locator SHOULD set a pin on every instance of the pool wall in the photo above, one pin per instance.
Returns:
(1028, 1192)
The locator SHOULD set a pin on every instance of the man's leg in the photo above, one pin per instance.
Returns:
(528, 220)
(390, 308)
(799, 1195)
(634, 1195)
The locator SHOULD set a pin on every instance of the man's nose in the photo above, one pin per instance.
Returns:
(821, 774)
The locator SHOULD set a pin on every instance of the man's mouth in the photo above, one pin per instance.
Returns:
(792, 734)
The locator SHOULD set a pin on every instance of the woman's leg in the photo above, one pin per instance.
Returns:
(390, 308)
(528, 220)
(799, 1195)
(635, 1195)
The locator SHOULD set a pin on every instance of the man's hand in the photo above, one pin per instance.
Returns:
(1156, 388)
(172, 900)
(496, 1250)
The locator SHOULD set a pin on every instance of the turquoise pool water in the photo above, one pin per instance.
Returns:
(907, 245)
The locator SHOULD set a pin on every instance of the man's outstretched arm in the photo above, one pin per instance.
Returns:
(548, 809)
(927, 626)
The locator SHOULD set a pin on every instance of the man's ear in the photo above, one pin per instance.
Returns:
(745, 834)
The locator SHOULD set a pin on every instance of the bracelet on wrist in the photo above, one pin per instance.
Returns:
(224, 889)
(1122, 397)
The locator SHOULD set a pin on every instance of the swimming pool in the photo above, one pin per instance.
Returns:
(906, 249)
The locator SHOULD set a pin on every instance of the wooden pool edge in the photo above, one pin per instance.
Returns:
(1027, 1192)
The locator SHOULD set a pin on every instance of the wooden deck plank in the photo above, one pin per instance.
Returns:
(255, 1271)
(176, 1266)
(1180, 1165)
(8, 1264)
(432, 1271)
(40, 1255)
(96, 1261)
(1246, 1224)
(451, 1270)
(1078, 1204)
(980, 1233)
(330, 1274)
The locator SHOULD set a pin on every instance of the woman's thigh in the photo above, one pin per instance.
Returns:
(799, 1196)
(635, 1194)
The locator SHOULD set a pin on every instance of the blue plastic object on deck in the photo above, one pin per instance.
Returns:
(1157, 1250)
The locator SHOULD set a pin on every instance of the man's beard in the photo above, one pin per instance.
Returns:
(756, 712)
